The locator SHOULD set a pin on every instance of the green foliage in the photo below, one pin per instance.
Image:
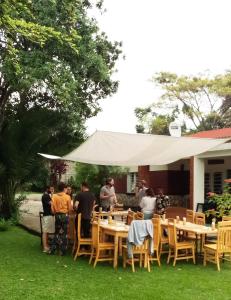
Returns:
(55, 65)
(203, 100)
(222, 203)
(95, 175)
(23, 136)
(53, 54)
(4, 224)
(152, 122)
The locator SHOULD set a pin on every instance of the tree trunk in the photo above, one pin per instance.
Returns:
(9, 207)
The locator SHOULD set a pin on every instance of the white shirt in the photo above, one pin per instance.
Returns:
(148, 204)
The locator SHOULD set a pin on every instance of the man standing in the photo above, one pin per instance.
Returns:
(61, 206)
(107, 194)
(141, 189)
(85, 201)
(48, 224)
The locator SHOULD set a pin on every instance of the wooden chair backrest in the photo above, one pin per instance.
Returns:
(224, 237)
(199, 218)
(156, 232)
(130, 217)
(172, 236)
(156, 216)
(79, 226)
(226, 218)
(224, 224)
(95, 234)
(118, 208)
(139, 215)
(190, 215)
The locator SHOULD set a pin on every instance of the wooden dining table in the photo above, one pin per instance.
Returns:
(198, 230)
(118, 230)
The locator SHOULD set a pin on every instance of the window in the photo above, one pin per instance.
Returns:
(131, 182)
(228, 174)
(216, 161)
(217, 182)
(207, 183)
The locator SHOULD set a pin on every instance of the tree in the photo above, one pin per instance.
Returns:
(26, 134)
(152, 122)
(52, 54)
(55, 65)
(203, 101)
(95, 175)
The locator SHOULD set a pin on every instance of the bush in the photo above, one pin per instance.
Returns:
(222, 203)
(5, 224)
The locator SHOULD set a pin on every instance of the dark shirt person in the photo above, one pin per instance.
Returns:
(162, 202)
(48, 225)
(85, 201)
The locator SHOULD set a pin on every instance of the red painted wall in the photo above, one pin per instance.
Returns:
(121, 184)
(172, 182)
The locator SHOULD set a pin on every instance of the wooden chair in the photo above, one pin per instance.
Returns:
(99, 248)
(226, 218)
(139, 253)
(139, 215)
(164, 240)
(156, 241)
(81, 241)
(199, 218)
(156, 216)
(214, 252)
(130, 217)
(190, 215)
(175, 246)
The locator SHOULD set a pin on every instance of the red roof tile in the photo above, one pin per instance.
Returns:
(214, 134)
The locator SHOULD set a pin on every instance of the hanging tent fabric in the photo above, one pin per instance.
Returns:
(123, 149)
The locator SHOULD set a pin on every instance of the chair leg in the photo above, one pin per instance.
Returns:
(133, 266)
(175, 256)
(124, 258)
(205, 258)
(96, 258)
(158, 257)
(193, 254)
(91, 257)
(141, 258)
(218, 262)
(169, 255)
(73, 248)
(77, 251)
(148, 263)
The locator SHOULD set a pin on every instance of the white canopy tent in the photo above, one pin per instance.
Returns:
(123, 149)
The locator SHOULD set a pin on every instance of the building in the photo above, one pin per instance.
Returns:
(187, 180)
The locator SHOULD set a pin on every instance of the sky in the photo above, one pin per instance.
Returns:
(181, 36)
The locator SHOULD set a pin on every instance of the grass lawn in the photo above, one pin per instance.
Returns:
(27, 273)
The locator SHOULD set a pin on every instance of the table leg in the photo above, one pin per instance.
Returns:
(116, 243)
(196, 248)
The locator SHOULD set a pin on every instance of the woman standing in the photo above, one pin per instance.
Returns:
(148, 203)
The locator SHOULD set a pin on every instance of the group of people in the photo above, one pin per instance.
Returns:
(149, 202)
(58, 206)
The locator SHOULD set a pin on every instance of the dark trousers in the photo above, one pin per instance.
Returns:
(60, 237)
(86, 227)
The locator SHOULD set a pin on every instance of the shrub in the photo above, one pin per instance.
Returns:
(221, 202)
(5, 224)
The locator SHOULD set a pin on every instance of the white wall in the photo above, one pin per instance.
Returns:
(198, 181)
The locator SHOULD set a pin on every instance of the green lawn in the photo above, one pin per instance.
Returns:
(27, 273)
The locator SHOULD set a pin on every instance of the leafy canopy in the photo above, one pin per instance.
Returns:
(201, 102)
(53, 54)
